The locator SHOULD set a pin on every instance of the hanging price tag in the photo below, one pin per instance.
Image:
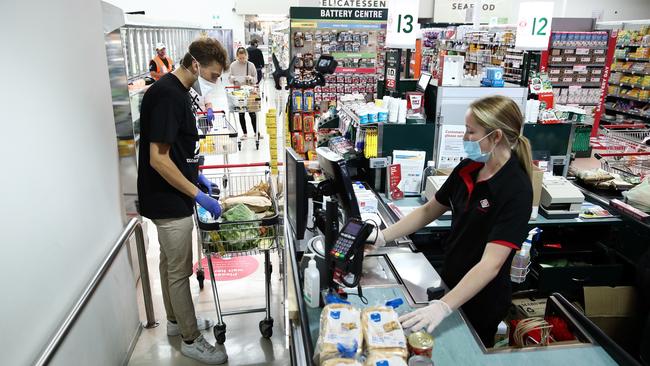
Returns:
(402, 26)
(534, 25)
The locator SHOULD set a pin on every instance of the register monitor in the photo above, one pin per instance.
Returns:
(297, 193)
(336, 171)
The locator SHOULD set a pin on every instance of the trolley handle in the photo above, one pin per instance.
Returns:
(226, 166)
(631, 125)
(623, 154)
(215, 112)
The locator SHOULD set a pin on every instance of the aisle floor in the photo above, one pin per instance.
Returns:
(244, 344)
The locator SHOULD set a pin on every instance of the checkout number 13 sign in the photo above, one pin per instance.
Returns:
(402, 28)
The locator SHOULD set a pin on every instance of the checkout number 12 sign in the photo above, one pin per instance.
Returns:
(534, 25)
(402, 28)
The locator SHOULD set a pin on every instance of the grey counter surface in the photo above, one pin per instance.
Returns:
(454, 343)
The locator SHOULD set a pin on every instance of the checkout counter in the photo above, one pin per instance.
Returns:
(400, 271)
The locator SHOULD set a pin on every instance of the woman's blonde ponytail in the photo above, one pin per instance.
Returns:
(524, 154)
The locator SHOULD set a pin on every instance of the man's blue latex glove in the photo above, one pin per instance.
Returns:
(209, 204)
(210, 115)
(207, 183)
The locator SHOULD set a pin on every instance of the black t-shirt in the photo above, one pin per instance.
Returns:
(166, 116)
(496, 211)
(153, 67)
(256, 57)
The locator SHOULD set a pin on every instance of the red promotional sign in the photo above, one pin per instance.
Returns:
(395, 176)
(229, 269)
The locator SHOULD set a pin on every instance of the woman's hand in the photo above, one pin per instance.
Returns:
(428, 317)
(377, 239)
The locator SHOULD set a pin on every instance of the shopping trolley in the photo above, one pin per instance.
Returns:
(244, 99)
(240, 238)
(216, 137)
(622, 150)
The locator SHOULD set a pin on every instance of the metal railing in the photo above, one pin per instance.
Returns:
(134, 226)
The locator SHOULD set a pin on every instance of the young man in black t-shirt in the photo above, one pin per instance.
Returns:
(167, 187)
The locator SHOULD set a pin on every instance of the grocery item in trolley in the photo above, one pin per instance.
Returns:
(383, 332)
(244, 99)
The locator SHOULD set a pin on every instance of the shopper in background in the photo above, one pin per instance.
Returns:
(167, 187)
(161, 64)
(256, 57)
(242, 72)
(490, 194)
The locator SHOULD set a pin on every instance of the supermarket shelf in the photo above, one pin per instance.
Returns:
(584, 85)
(492, 43)
(631, 113)
(634, 59)
(638, 86)
(629, 98)
(623, 45)
(632, 72)
(575, 64)
(576, 47)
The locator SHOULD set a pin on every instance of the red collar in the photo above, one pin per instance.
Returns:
(466, 175)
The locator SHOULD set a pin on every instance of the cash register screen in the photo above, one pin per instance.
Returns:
(423, 82)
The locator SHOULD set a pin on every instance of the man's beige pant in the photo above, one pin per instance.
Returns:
(175, 238)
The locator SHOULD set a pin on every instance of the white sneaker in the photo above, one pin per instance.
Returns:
(203, 351)
(174, 330)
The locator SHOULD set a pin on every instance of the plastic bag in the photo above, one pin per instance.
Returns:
(639, 196)
(340, 333)
(383, 332)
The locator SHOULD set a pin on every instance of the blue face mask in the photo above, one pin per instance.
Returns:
(473, 150)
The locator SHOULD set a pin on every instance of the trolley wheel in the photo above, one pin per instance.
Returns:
(200, 276)
(266, 327)
(219, 333)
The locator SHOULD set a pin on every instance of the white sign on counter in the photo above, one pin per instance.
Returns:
(534, 25)
(451, 150)
(412, 165)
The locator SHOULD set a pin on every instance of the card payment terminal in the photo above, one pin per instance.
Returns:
(345, 258)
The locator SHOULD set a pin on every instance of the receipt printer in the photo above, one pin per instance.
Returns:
(560, 198)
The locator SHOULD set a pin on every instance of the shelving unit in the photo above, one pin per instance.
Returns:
(576, 64)
(628, 92)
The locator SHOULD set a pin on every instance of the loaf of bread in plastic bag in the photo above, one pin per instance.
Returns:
(382, 359)
(341, 362)
(340, 324)
(383, 332)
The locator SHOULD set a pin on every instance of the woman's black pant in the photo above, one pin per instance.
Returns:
(242, 121)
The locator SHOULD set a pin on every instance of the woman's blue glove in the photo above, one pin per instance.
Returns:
(207, 184)
(209, 203)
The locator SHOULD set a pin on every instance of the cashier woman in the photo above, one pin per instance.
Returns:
(490, 195)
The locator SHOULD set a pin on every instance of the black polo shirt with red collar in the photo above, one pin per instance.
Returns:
(493, 211)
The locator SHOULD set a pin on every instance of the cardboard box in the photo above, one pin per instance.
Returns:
(613, 309)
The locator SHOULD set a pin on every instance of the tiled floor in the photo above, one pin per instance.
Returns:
(244, 344)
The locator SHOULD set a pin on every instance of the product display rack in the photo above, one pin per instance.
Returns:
(357, 43)
(576, 63)
(628, 94)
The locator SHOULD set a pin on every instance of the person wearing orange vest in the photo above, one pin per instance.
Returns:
(161, 63)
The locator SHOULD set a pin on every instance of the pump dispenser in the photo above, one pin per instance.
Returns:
(521, 260)
(311, 284)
